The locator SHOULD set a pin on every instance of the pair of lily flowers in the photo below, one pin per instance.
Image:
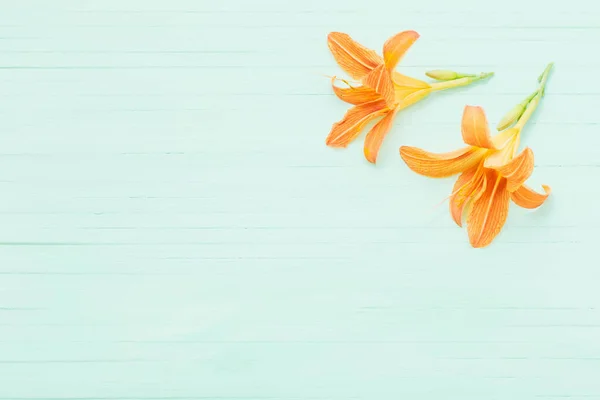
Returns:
(491, 172)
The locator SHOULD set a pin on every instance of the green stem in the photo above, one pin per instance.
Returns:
(459, 82)
(531, 107)
(533, 100)
(525, 102)
(544, 78)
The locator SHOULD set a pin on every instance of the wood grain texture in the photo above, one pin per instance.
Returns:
(172, 225)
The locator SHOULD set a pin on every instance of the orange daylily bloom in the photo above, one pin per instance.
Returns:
(383, 92)
(491, 175)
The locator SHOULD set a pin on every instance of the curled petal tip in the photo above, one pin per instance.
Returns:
(372, 158)
(412, 33)
(404, 150)
(336, 144)
(474, 127)
(528, 198)
(472, 107)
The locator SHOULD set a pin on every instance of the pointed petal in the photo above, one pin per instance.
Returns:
(459, 197)
(468, 188)
(395, 47)
(354, 58)
(355, 95)
(346, 130)
(528, 198)
(375, 136)
(476, 188)
(380, 80)
(441, 165)
(475, 129)
(489, 212)
(517, 170)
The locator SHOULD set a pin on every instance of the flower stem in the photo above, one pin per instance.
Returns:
(466, 80)
(544, 78)
(531, 107)
(533, 100)
(525, 102)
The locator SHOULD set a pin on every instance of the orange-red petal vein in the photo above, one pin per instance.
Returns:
(475, 129)
(395, 47)
(381, 81)
(375, 136)
(440, 165)
(354, 58)
(489, 212)
(460, 194)
(355, 95)
(517, 170)
(528, 198)
(346, 130)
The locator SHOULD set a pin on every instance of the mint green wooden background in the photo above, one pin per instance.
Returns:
(173, 226)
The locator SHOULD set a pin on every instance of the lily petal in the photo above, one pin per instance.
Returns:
(475, 129)
(354, 58)
(467, 189)
(404, 82)
(476, 188)
(381, 81)
(503, 156)
(354, 95)
(395, 47)
(502, 138)
(489, 212)
(409, 97)
(375, 136)
(517, 170)
(528, 198)
(441, 165)
(460, 194)
(346, 130)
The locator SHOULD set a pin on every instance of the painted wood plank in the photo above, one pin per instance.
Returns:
(172, 225)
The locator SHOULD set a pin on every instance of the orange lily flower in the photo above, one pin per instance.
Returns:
(383, 92)
(491, 172)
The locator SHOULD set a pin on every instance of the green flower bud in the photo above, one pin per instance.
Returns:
(511, 117)
(442, 75)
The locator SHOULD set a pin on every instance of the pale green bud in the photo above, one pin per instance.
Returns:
(511, 117)
(442, 75)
